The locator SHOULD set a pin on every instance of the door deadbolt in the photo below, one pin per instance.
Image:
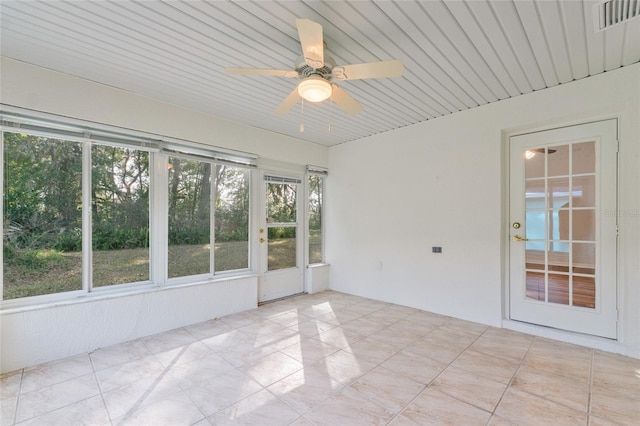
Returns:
(516, 225)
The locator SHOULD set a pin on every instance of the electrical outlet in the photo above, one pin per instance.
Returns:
(436, 249)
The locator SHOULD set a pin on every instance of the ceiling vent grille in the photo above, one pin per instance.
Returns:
(613, 12)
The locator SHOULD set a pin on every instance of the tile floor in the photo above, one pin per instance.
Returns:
(329, 359)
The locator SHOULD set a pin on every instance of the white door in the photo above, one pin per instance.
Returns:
(280, 237)
(563, 228)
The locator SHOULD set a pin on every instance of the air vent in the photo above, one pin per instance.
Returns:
(613, 12)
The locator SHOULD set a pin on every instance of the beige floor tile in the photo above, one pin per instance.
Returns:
(616, 373)
(129, 372)
(617, 407)
(305, 389)
(312, 327)
(132, 396)
(246, 353)
(415, 367)
(560, 389)
(339, 337)
(261, 408)
(272, 368)
(309, 351)
(339, 317)
(401, 421)
(241, 319)
(202, 370)
(560, 359)
(175, 410)
(467, 387)
(348, 407)
(281, 339)
(260, 329)
(396, 337)
(53, 372)
(227, 389)
(289, 318)
(162, 342)
(343, 367)
(227, 340)
(89, 411)
(499, 421)
(183, 354)
(209, 328)
(372, 351)
(10, 384)
(387, 389)
(8, 410)
(119, 354)
(432, 407)
(43, 400)
(501, 347)
(466, 326)
(482, 365)
(363, 326)
(526, 409)
(436, 349)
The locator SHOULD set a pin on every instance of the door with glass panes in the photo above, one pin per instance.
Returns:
(563, 234)
(280, 237)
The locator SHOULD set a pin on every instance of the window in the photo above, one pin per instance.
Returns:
(231, 218)
(316, 195)
(42, 215)
(120, 215)
(95, 210)
(189, 219)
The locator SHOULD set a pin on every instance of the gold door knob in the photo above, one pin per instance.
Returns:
(519, 238)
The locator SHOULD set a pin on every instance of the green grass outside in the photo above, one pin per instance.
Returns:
(58, 272)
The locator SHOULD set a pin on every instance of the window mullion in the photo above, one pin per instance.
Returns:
(87, 252)
(158, 219)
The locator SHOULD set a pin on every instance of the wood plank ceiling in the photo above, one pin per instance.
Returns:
(458, 54)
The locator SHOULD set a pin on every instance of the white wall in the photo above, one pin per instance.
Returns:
(31, 336)
(393, 196)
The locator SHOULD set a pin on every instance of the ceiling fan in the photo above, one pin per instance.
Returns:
(316, 70)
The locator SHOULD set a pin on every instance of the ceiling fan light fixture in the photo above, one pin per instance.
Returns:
(314, 89)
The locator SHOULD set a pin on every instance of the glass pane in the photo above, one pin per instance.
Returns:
(536, 225)
(120, 217)
(584, 157)
(42, 216)
(534, 165)
(281, 202)
(315, 219)
(534, 259)
(584, 191)
(535, 285)
(584, 225)
(584, 258)
(559, 289)
(231, 218)
(189, 217)
(584, 291)
(558, 160)
(534, 194)
(558, 189)
(282, 248)
(560, 224)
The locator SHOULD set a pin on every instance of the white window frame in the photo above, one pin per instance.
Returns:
(160, 149)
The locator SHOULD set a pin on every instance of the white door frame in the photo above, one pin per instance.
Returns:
(608, 223)
(284, 282)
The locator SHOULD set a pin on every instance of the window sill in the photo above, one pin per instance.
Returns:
(24, 305)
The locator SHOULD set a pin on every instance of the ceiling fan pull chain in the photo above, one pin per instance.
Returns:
(302, 116)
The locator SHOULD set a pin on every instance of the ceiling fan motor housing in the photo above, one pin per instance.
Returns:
(305, 70)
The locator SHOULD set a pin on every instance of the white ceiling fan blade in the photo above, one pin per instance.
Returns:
(310, 34)
(369, 70)
(288, 103)
(261, 71)
(344, 100)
